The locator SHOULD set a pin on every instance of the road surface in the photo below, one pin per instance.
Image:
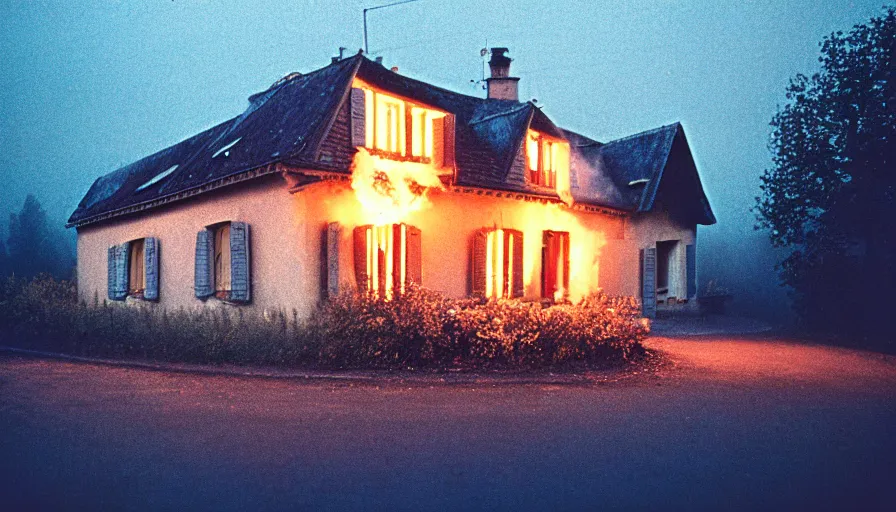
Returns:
(728, 424)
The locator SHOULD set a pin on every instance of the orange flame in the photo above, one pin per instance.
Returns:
(389, 191)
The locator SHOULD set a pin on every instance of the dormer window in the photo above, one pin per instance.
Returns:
(545, 158)
(400, 129)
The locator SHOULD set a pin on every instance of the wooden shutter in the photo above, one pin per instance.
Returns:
(548, 265)
(358, 126)
(414, 253)
(331, 259)
(438, 142)
(691, 257)
(360, 245)
(478, 263)
(240, 271)
(203, 281)
(648, 286)
(564, 255)
(110, 272)
(517, 287)
(151, 267)
(121, 270)
(448, 144)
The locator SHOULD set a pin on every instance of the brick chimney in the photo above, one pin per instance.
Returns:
(502, 86)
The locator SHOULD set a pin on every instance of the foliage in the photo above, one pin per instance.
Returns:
(34, 246)
(418, 329)
(829, 197)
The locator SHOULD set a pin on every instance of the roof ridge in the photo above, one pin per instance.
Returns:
(514, 110)
(645, 132)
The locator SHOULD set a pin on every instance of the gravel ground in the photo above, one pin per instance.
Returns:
(732, 423)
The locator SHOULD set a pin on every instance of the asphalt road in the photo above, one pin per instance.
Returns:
(729, 424)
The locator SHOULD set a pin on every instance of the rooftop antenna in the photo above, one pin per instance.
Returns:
(366, 49)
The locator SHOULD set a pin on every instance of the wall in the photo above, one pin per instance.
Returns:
(287, 229)
(277, 268)
(645, 230)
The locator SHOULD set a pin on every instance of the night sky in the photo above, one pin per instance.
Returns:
(89, 86)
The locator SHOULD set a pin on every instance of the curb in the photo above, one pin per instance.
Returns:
(431, 379)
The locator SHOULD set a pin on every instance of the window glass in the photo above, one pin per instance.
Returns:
(136, 273)
(222, 258)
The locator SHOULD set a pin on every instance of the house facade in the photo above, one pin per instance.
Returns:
(354, 177)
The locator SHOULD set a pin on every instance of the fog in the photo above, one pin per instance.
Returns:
(86, 87)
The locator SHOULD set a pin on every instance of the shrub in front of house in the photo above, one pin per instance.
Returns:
(417, 329)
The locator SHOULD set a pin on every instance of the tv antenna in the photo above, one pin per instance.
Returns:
(366, 50)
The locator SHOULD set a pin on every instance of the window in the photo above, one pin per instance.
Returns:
(547, 159)
(555, 265)
(394, 127)
(498, 263)
(133, 270)
(387, 258)
(222, 262)
(136, 274)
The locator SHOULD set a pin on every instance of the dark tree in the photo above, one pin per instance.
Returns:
(829, 198)
(34, 246)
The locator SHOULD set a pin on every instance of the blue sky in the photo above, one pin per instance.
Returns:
(89, 86)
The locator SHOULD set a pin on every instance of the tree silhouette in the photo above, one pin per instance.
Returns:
(34, 246)
(829, 196)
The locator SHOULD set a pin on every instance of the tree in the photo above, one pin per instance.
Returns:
(829, 197)
(34, 246)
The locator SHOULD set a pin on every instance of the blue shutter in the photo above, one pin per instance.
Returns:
(691, 256)
(120, 288)
(239, 262)
(110, 273)
(203, 283)
(358, 126)
(334, 234)
(648, 285)
(151, 267)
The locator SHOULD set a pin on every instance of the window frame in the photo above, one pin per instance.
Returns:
(136, 267)
(406, 140)
(561, 250)
(222, 280)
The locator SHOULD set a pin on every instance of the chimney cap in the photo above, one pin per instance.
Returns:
(498, 56)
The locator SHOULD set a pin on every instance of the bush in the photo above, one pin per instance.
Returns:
(418, 329)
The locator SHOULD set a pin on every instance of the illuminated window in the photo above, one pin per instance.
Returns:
(387, 258)
(555, 265)
(498, 263)
(398, 127)
(136, 272)
(545, 158)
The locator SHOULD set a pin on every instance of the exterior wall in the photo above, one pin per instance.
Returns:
(646, 230)
(599, 257)
(287, 230)
(277, 266)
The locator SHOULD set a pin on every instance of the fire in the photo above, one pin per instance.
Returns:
(389, 191)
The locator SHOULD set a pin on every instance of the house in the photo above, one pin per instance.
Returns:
(354, 176)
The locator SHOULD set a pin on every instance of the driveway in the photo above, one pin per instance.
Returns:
(729, 424)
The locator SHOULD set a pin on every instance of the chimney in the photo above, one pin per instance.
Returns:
(502, 86)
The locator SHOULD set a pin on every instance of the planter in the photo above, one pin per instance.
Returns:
(713, 304)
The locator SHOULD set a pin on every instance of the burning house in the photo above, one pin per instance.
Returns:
(356, 177)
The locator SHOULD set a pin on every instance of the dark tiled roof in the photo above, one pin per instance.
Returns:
(288, 122)
(285, 121)
(626, 173)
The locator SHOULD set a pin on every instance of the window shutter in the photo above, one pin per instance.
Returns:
(564, 252)
(438, 142)
(203, 283)
(448, 144)
(648, 289)
(691, 256)
(548, 265)
(120, 290)
(334, 232)
(415, 256)
(358, 126)
(110, 272)
(240, 271)
(360, 243)
(517, 264)
(478, 263)
(151, 267)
